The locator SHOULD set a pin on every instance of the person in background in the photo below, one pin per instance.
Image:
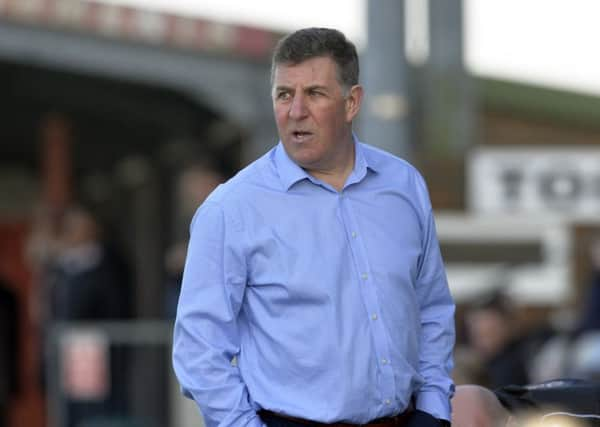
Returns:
(589, 319)
(89, 282)
(553, 403)
(194, 185)
(314, 289)
(477, 406)
(9, 369)
(495, 339)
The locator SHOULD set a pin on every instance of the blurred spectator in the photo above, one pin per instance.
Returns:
(552, 359)
(8, 349)
(574, 351)
(491, 334)
(584, 362)
(193, 187)
(590, 315)
(468, 367)
(194, 184)
(88, 281)
(581, 345)
(563, 402)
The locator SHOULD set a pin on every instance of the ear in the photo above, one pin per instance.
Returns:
(353, 102)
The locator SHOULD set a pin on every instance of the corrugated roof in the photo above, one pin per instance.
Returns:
(134, 24)
(540, 102)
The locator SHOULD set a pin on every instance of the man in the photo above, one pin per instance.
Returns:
(564, 402)
(477, 406)
(316, 268)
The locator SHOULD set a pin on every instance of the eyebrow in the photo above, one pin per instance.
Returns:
(312, 87)
(321, 87)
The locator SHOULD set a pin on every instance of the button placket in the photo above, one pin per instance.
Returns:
(368, 290)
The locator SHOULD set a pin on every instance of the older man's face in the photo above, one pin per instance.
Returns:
(313, 114)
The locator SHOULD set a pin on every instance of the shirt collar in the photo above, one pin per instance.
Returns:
(290, 173)
(364, 158)
(361, 163)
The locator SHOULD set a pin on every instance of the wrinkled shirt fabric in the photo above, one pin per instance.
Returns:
(321, 304)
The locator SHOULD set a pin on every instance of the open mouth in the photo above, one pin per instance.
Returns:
(301, 134)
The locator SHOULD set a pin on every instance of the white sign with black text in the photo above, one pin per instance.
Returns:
(534, 180)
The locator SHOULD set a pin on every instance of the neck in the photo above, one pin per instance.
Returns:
(336, 176)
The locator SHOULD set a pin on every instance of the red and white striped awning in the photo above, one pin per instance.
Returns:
(140, 25)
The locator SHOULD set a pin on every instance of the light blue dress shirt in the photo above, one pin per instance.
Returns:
(334, 305)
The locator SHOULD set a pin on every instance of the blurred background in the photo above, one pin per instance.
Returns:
(118, 117)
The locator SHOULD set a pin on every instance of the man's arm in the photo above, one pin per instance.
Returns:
(437, 329)
(206, 335)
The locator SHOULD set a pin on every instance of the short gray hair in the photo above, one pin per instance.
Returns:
(310, 43)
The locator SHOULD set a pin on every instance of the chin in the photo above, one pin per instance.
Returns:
(301, 155)
(305, 162)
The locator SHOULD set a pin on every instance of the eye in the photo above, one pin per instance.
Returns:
(315, 93)
(282, 95)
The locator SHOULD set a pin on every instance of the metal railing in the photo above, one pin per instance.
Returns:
(114, 374)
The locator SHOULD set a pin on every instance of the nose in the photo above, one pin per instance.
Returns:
(298, 107)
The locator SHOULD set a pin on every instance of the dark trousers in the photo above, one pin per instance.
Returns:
(271, 421)
(3, 414)
(405, 419)
(280, 422)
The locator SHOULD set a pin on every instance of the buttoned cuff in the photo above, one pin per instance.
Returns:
(433, 403)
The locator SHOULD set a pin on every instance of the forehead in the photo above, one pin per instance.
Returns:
(319, 70)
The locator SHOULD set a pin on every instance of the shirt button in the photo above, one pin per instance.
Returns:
(354, 234)
(374, 316)
(388, 401)
(364, 276)
(384, 361)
